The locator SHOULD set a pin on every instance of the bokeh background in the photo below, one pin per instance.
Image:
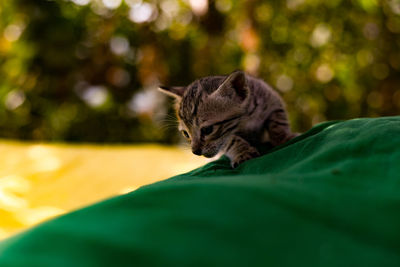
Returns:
(87, 71)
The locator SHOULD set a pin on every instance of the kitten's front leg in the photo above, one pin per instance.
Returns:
(239, 150)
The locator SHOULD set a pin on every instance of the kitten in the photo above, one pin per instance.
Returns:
(231, 114)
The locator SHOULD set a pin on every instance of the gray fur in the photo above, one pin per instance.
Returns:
(243, 112)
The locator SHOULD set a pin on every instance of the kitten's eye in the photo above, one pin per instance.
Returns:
(185, 134)
(206, 130)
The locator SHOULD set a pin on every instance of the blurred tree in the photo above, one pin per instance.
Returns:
(87, 70)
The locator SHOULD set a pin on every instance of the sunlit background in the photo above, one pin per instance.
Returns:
(86, 71)
(38, 181)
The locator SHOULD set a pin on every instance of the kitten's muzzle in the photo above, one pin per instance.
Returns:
(196, 151)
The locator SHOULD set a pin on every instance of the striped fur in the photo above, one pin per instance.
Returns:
(231, 114)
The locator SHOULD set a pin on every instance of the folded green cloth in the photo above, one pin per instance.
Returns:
(330, 197)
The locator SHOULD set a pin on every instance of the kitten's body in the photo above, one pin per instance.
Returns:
(232, 114)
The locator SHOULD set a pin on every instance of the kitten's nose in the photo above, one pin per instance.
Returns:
(196, 151)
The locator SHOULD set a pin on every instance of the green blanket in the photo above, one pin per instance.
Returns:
(330, 197)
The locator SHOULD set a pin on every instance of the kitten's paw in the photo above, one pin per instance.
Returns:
(239, 159)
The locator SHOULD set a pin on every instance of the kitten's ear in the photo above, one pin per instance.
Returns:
(175, 91)
(234, 86)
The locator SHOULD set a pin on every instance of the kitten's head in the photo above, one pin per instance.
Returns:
(209, 110)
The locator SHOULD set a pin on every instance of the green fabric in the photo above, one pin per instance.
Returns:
(330, 197)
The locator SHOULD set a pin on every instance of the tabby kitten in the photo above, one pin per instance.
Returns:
(232, 114)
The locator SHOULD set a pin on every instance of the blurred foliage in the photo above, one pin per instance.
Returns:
(87, 70)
